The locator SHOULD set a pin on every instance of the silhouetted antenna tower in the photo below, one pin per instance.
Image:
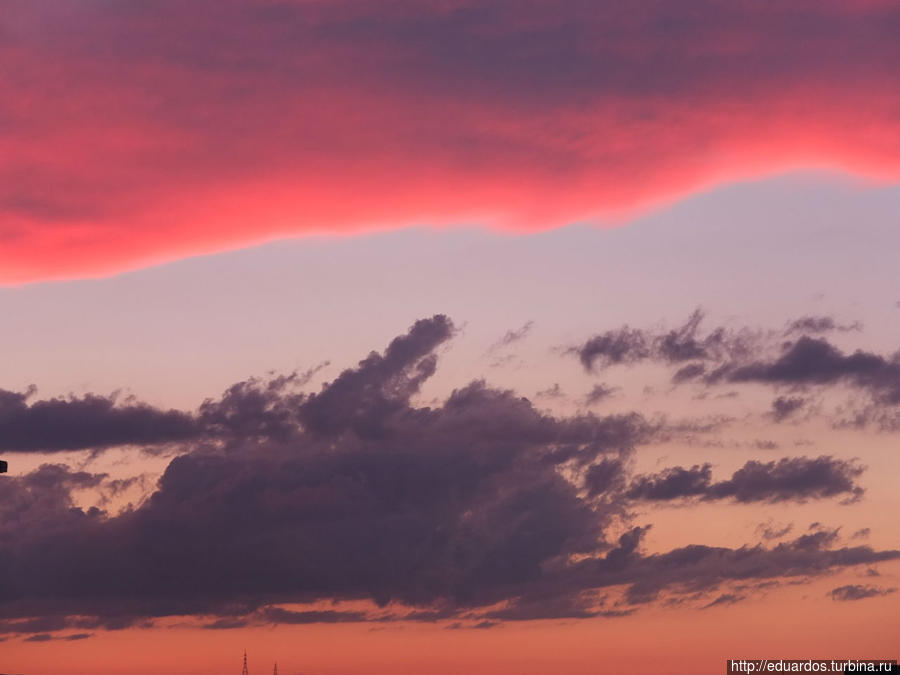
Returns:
(245, 671)
(275, 672)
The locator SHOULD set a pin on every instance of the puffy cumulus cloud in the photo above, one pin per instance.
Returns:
(266, 114)
(480, 509)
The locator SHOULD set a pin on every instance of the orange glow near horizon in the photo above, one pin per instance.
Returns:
(799, 623)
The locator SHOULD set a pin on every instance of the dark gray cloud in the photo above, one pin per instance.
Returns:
(614, 347)
(815, 361)
(788, 479)
(687, 343)
(88, 422)
(858, 592)
(254, 408)
(784, 407)
(605, 476)
(672, 483)
(695, 568)
(355, 492)
(272, 408)
(722, 355)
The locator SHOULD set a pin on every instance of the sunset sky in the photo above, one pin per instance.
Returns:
(505, 337)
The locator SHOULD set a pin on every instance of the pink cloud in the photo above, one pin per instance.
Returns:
(134, 134)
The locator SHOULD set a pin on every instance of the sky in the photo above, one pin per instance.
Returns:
(452, 336)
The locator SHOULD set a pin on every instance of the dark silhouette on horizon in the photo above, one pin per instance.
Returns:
(244, 670)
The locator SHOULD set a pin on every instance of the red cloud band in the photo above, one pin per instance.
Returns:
(134, 134)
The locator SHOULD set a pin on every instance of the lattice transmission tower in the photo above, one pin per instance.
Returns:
(244, 671)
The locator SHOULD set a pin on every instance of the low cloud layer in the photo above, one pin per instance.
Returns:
(480, 509)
